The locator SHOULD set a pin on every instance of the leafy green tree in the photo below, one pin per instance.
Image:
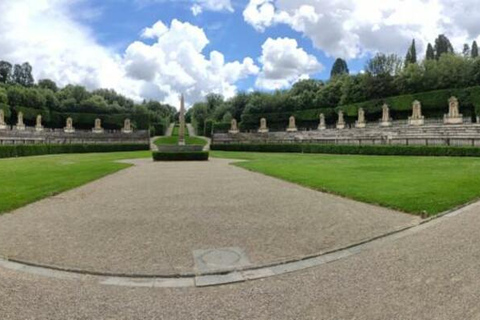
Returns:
(430, 55)
(213, 101)
(474, 49)
(383, 64)
(5, 72)
(3, 96)
(48, 84)
(411, 54)
(466, 50)
(442, 46)
(22, 75)
(339, 67)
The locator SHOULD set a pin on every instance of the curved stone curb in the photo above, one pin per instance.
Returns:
(203, 280)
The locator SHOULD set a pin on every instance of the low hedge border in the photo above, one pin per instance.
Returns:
(351, 149)
(12, 151)
(180, 156)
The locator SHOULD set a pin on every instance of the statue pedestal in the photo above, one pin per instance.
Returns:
(262, 130)
(39, 128)
(292, 129)
(3, 127)
(385, 124)
(453, 120)
(340, 125)
(98, 130)
(20, 127)
(69, 130)
(360, 125)
(233, 131)
(127, 130)
(416, 122)
(322, 127)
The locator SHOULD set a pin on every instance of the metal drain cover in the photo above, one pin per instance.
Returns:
(220, 259)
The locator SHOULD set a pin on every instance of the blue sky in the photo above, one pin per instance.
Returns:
(158, 49)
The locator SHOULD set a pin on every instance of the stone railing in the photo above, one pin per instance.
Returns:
(58, 136)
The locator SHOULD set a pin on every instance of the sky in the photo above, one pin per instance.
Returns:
(158, 49)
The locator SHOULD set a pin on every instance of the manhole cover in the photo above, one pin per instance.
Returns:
(220, 259)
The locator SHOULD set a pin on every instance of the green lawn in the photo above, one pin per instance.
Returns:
(174, 140)
(25, 180)
(410, 184)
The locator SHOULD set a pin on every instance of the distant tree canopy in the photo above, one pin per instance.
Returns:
(339, 67)
(18, 91)
(385, 75)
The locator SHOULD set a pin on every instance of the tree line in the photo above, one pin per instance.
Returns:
(18, 90)
(384, 75)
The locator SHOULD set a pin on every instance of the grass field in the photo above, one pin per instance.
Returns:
(25, 180)
(412, 184)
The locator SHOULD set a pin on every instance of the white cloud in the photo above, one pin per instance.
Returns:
(284, 63)
(349, 28)
(45, 33)
(211, 5)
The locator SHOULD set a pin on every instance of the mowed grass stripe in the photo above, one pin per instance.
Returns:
(412, 184)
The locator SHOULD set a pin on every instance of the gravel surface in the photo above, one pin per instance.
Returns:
(150, 218)
(433, 274)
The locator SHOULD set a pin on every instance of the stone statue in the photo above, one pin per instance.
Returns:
(322, 125)
(453, 116)
(20, 125)
(263, 126)
(98, 126)
(3, 125)
(341, 120)
(127, 126)
(69, 126)
(361, 123)
(386, 120)
(38, 125)
(417, 119)
(233, 127)
(292, 127)
(181, 131)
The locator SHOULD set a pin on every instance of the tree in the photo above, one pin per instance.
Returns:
(22, 75)
(466, 50)
(430, 52)
(442, 46)
(339, 67)
(383, 64)
(474, 49)
(5, 72)
(48, 84)
(411, 54)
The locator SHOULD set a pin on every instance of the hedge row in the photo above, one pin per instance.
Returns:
(180, 156)
(11, 151)
(348, 149)
(434, 105)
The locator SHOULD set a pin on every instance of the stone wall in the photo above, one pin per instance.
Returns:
(398, 134)
(59, 136)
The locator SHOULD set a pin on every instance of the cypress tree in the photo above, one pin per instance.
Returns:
(442, 46)
(339, 67)
(474, 49)
(430, 53)
(411, 54)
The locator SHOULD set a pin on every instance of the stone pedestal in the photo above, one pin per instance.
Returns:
(233, 127)
(360, 125)
(39, 126)
(448, 120)
(20, 125)
(416, 122)
(341, 121)
(386, 121)
(385, 124)
(453, 116)
(127, 126)
(69, 126)
(263, 126)
(3, 126)
(361, 122)
(322, 125)
(292, 127)
(417, 119)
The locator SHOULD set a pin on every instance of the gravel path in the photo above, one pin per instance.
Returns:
(433, 274)
(151, 218)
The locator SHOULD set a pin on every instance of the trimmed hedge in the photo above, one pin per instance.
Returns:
(12, 151)
(208, 130)
(434, 105)
(350, 149)
(180, 156)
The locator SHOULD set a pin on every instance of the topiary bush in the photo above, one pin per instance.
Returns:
(43, 149)
(180, 156)
(349, 149)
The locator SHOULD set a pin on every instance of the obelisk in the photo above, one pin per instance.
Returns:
(181, 131)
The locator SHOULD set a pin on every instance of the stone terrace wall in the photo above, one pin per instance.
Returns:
(398, 134)
(58, 136)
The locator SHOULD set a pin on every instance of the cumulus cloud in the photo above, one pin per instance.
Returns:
(350, 28)
(211, 5)
(45, 33)
(284, 63)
